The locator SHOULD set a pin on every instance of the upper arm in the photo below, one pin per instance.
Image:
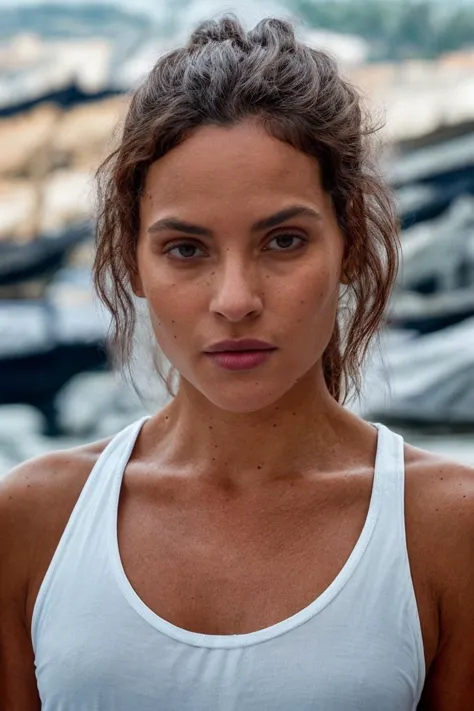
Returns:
(18, 690)
(450, 682)
(36, 501)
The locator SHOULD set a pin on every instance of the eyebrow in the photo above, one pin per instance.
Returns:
(172, 223)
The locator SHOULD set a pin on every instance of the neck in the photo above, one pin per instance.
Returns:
(305, 431)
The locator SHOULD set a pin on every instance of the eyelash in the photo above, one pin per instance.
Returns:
(186, 243)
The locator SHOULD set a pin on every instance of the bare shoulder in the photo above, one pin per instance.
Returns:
(439, 495)
(43, 483)
(440, 537)
(36, 500)
(439, 514)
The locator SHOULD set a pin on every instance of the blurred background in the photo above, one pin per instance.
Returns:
(66, 72)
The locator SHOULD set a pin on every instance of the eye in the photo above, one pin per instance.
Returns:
(285, 242)
(183, 251)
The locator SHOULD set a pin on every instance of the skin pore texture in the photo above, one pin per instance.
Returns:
(250, 485)
(278, 284)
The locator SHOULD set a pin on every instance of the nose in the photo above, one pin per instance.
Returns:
(236, 295)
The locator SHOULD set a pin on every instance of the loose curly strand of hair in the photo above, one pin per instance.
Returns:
(223, 75)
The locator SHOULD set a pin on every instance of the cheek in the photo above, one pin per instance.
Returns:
(172, 307)
(167, 310)
(312, 294)
(313, 305)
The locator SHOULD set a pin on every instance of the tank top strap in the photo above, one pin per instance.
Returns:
(389, 543)
(389, 479)
(111, 462)
(87, 523)
(390, 469)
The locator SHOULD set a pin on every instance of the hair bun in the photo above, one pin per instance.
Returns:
(227, 28)
(269, 32)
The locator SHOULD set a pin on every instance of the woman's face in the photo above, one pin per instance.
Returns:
(219, 259)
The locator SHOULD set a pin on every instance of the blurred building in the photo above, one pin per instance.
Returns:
(63, 95)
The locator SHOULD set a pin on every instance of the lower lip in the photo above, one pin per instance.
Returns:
(240, 360)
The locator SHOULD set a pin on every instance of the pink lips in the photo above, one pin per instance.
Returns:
(240, 355)
(240, 361)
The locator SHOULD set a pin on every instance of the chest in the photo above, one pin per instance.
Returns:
(218, 567)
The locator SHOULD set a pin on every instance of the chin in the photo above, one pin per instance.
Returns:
(248, 391)
(242, 396)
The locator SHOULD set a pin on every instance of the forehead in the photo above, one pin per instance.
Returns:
(226, 164)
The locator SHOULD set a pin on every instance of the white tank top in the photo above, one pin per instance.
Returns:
(358, 646)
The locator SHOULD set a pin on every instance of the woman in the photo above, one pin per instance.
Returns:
(253, 545)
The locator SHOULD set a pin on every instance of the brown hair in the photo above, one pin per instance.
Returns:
(222, 76)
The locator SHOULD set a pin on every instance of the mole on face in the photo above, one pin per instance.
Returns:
(209, 187)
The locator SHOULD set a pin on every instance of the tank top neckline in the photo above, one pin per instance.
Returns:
(198, 639)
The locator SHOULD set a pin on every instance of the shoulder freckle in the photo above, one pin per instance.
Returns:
(435, 479)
